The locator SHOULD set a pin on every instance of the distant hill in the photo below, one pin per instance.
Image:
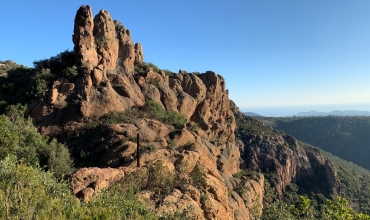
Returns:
(252, 114)
(336, 112)
(354, 180)
(344, 136)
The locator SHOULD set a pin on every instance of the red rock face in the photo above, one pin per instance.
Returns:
(106, 55)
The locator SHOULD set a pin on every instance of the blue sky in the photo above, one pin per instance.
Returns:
(272, 53)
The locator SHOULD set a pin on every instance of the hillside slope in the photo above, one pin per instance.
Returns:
(344, 136)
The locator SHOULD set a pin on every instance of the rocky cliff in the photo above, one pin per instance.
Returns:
(291, 163)
(284, 159)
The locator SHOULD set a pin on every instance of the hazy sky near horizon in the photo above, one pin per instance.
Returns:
(272, 53)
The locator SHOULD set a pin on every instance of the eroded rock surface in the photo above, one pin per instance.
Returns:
(106, 57)
(291, 163)
(86, 181)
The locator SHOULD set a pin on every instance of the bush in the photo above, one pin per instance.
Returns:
(15, 87)
(70, 72)
(39, 90)
(57, 63)
(160, 180)
(169, 73)
(128, 116)
(103, 42)
(30, 193)
(150, 109)
(198, 177)
(174, 118)
(154, 67)
(153, 110)
(18, 137)
(140, 68)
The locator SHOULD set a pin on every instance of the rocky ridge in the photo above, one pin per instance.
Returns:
(292, 164)
(108, 82)
(268, 151)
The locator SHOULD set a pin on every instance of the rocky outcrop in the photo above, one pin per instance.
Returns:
(86, 181)
(106, 57)
(291, 163)
(115, 146)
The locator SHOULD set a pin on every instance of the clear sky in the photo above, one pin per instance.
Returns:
(272, 53)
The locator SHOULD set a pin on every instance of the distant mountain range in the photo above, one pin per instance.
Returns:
(251, 114)
(336, 112)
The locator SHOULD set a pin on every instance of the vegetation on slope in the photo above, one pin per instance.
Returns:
(295, 204)
(19, 138)
(31, 193)
(7, 65)
(344, 136)
(21, 84)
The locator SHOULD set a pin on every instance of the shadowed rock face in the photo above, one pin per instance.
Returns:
(291, 163)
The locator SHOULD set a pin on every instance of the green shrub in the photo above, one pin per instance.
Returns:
(154, 81)
(249, 174)
(150, 109)
(62, 64)
(193, 127)
(198, 177)
(30, 193)
(169, 73)
(174, 118)
(140, 68)
(70, 72)
(203, 198)
(171, 145)
(18, 137)
(15, 88)
(39, 90)
(154, 67)
(102, 42)
(160, 180)
(153, 110)
(156, 111)
(128, 116)
(9, 64)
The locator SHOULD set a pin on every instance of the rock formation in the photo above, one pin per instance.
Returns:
(106, 57)
(219, 159)
(282, 155)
